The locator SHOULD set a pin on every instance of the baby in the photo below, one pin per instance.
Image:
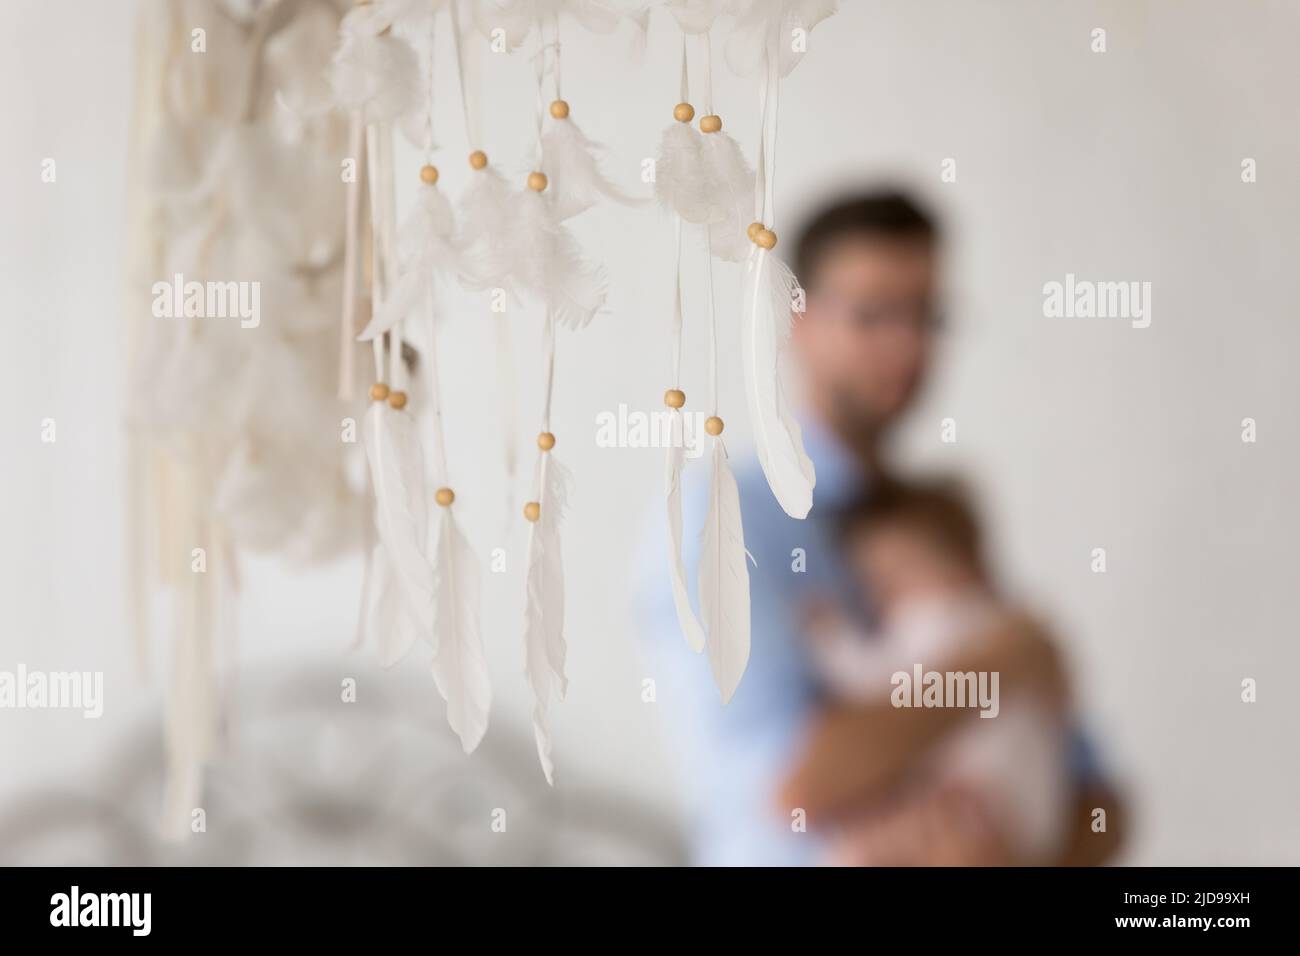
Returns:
(916, 551)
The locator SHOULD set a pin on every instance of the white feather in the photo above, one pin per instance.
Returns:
(769, 292)
(724, 579)
(544, 646)
(428, 251)
(459, 667)
(767, 24)
(388, 618)
(548, 263)
(731, 181)
(690, 624)
(517, 17)
(374, 72)
(397, 473)
(572, 162)
(680, 182)
(487, 214)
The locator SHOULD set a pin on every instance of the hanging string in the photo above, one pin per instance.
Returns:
(468, 115)
(377, 284)
(684, 94)
(351, 253)
(435, 395)
(713, 326)
(676, 337)
(548, 360)
(707, 82)
(768, 101)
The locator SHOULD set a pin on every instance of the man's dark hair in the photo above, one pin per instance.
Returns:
(939, 509)
(886, 214)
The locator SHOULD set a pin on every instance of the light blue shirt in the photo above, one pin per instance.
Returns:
(733, 757)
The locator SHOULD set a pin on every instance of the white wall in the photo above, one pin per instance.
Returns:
(1081, 434)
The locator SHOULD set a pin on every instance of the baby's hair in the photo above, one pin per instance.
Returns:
(940, 510)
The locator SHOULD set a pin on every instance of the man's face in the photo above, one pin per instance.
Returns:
(865, 338)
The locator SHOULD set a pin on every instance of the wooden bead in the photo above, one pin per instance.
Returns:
(713, 425)
(537, 181)
(560, 109)
(674, 398)
(532, 511)
(765, 238)
(444, 496)
(477, 159)
(683, 112)
(428, 174)
(753, 230)
(378, 392)
(545, 441)
(397, 400)
(710, 124)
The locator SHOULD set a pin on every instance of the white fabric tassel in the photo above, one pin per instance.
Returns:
(572, 161)
(544, 645)
(724, 579)
(769, 292)
(459, 666)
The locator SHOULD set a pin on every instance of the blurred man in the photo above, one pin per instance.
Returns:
(770, 769)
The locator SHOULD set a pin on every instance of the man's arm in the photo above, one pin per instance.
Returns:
(856, 752)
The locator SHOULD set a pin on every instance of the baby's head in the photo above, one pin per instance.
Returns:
(911, 541)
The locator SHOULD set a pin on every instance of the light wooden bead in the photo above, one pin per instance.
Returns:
(378, 392)
(674, 398)
(532, 511)
(765, 238)
(444, 496)
(753, 230)
(683, 112)
(397, 400)
(428, 174)
(477, 159)
(710, 123)
(560, 109)
(713, 425)
(545, 441)
(537, 181)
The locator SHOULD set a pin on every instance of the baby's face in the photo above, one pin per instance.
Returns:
(897, 564)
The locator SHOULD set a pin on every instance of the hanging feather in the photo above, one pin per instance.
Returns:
(516, 18)
(769, 291)
(768, 24)
(459, 667)
(690, 625)
(731, 185)
(548, 264)
(572, 161)
(544, 646)
(396, 459)
(724, 579)
(374, 71)
(429, 251)
(487, 214)
(388, 618)
(680, 183)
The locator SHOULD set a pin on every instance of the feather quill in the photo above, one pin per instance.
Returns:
(544, 645)
(459, 666)
(724, 579)
(690, 624)
(769, 292)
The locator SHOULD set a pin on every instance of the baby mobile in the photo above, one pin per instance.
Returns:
(509, 233)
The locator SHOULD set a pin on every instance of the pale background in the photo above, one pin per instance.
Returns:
(1079, 433)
